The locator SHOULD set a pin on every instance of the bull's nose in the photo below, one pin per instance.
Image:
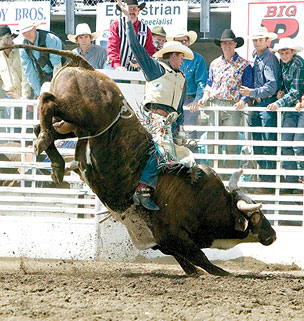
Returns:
(269, 240)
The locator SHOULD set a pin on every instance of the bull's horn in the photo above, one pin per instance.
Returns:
(246, 207)
(233, 182)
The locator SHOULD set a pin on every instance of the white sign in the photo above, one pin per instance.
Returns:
(285, 18)
(11, 13)
(171, 15)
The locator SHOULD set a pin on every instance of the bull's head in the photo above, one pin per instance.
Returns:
(258, 224)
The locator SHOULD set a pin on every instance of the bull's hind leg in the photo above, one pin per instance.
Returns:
(47, 109)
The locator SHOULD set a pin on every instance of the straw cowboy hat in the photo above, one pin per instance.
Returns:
(228, 35)
(262, 32)
(132, 3)
(174, 46)
(5, 30)
(27, 25)
(158, 30)
(83, 29)
(192, 35)
(287, 43)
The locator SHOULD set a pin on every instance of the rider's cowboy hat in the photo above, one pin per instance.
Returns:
(158, 30)
(228, 35)
(174, 46)
(27, 25)
(262, 32)
(132, 3)
(192, 35)
(5, 30)
(287, 43)
(83, 29)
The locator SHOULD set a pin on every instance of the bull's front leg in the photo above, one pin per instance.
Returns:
(47, 109)
(57, 161)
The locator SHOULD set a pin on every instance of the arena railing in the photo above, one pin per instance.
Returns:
(26, 186)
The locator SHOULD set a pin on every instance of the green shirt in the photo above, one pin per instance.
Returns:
(293, 81)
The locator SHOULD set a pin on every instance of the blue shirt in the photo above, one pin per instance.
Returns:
(96, 56)
(51, 41)
(266, 75)
(151, 68)
(195, 71)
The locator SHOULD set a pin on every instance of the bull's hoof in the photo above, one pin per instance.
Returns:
(57, 172)
(42, 143)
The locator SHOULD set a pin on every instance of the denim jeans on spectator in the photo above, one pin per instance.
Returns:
(264, 119)
(293, 119)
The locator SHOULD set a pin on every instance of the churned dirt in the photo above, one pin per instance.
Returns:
(73, 290)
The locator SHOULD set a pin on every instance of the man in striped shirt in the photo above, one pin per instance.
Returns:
(119, 51)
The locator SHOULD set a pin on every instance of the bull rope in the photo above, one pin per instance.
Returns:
(123, 109)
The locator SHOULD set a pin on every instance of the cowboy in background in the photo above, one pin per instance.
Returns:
(39, 67)
(159, 37)
(292, 66)
(267, 81)
(227, 74)
(195, 71)
(94, 54)
(119, 51)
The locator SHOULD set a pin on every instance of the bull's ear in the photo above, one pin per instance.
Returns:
(233, 182)
(247, 207)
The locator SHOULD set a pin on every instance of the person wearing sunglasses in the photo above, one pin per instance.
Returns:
(195, 71)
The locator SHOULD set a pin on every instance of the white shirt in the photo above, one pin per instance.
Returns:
(12, 75)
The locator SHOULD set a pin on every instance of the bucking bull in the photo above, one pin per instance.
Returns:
(111, 152)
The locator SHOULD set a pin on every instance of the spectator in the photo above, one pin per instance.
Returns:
(267, 81)
(159, 37)
(195, 71)
(39, 67)
(292, 66)
(227, 74)
(119, 50)
(95, 55)
(13, 80)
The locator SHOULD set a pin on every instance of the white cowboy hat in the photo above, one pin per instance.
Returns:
(27, 25)
(287, 43)
(83, 29)
(192, 35)
(262, 32)
(174, 46)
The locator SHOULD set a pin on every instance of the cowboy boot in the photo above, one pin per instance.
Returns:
(142, 196)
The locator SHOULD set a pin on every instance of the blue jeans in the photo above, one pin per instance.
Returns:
(292, 119)
(264, 119)
(150, 173)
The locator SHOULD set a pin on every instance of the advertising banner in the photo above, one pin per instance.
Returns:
(285, 18)
(11, 13)
(171, 15)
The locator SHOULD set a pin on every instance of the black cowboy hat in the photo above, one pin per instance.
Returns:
(133, 3)
(5, 29)
(228, 35)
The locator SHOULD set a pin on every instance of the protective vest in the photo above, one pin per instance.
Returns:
(167, 89)
(44, 58)
(125, 52)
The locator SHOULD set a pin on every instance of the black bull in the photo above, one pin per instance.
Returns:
(194, 214)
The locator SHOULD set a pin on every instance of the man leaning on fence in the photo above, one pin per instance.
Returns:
(39, 67)
(227, 74)
(292, 66)
(267, 81)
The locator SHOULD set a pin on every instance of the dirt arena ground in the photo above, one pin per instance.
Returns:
(70, 290)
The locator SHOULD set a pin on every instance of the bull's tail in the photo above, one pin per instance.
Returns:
(76, 59)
